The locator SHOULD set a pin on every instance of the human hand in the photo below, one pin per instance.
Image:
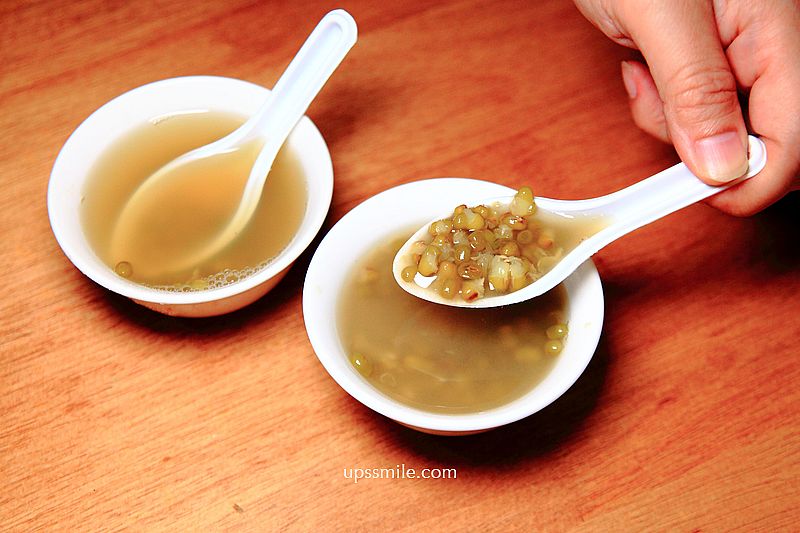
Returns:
(703, 55)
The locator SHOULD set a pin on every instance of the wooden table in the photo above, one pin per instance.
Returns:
(114, 417)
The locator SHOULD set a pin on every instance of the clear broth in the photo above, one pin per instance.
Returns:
(190, 209)
(439, 358)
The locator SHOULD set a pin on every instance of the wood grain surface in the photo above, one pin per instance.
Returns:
(113, 417)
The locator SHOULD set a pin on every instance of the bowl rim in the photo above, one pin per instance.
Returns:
(585, 283)
(310, 146)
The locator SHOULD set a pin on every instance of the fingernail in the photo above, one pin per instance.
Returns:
(721, 157)
(627, 80)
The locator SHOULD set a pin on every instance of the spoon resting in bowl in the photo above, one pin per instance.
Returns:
(623, 212)
(259, 138)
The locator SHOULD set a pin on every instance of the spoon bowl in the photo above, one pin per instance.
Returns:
(625, 211)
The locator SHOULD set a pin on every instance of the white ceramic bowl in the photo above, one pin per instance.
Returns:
(133, 108)
(414, 204)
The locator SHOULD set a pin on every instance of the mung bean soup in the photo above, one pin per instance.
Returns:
(190, 209)
(440, 358)
(488, 250)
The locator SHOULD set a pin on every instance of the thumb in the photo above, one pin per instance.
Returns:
(682, 47)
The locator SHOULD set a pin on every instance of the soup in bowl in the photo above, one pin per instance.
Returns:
(435, 368)
(127, 139)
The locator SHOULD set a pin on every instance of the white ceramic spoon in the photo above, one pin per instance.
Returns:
(625, 210)
(325, 48)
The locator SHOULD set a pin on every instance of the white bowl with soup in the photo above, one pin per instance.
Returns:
(435, 368)
(127, 139)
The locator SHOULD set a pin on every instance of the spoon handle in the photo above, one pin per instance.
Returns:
(320, 55)
(664, 193)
